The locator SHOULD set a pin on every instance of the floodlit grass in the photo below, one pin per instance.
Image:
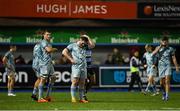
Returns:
(97, 101)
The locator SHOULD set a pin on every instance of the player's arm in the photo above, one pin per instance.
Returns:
(50, 49)
(66, 54)
(5, 62)
(91, 44)
(175, 63)
(156, 50)
(144, 62)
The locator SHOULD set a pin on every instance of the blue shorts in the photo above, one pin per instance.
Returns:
(46, 70)
(164, 71)
(79, 72)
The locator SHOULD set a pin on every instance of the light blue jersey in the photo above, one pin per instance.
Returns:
(150, 60)
(37, 53)
(10, 67)
(79, 56)
(164, 64)
(46, 57)
(45, 62)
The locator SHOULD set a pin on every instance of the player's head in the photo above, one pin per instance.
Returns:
(148, 48)
(83, 40)
(164, 41)
(13, 47)
(47, 35)
(136, 54)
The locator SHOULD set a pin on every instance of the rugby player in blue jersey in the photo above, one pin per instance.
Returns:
(8, 61)
(165, 54)
(46, 67)
(76, 53)
(150, 65)
(35, 65)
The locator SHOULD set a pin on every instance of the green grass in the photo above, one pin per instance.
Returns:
(98, 101)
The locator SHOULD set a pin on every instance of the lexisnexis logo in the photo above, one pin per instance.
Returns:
(162, 10)
(148, 10)
(166, 8)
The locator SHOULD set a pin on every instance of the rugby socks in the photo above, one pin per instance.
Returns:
(40, 90)
(35, 90)
(73, 91)
(10, 91)
(162, 88)
(49, 89)
(81, 91)
(147, 88)
(167, 95)
(154, 87)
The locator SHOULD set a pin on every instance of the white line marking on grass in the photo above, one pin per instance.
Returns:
(56, 109)
(171, 108)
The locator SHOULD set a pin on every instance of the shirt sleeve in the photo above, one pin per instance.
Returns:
(172, 51)
(44, 44)
(144, 59)
(7, 55)
(70, 47)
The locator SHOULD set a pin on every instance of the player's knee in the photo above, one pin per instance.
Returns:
(75, 82)
(167, 81)
(53, 79)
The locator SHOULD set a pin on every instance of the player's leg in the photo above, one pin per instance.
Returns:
(148, 85)
(11, 81)
(83, 77)
(81, 90)
(49, 87)
(162, 71)
(167, 86)
(162, 84)
(75, 81)
(152, 85)
(156, 92)
(52, 79)
(43, 78)
(41, 85)
(36, 85)
(8, 84)
(74, 85)
(91, 79)
(35, 89)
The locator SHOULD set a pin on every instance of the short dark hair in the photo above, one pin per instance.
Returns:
(165, 39)
(84, 38)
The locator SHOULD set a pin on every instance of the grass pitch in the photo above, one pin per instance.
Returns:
(97, 101)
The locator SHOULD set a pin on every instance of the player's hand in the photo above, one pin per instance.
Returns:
(53, 62)
(177, 69)
(55, 49)
(153, 66)
(72, 61)
(145, 66)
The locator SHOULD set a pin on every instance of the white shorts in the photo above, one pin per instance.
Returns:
(164, 71)
(47, 70)
(151, 71)
(79, 73)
